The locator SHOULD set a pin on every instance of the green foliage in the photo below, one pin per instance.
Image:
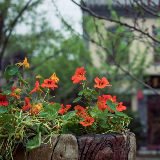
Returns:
(50, 51)
(45, 47)
(77, 99)
(11, 70)
(8, 86)
(113, 49)
(7, 92)
(51, 110)
(25, 122)
(36, 142)
(69, 115)
(111, 105)
(71, 127)
(3, 109)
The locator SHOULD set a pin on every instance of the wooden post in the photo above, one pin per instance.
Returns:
(109, 146)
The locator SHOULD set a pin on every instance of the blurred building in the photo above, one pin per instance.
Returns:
(144, 101)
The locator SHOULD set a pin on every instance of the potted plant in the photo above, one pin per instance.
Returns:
(32, 127)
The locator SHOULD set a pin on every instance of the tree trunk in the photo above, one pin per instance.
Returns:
(87, 147)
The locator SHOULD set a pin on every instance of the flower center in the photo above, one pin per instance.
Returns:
(87, 121)
(80, 75)
(101, 83)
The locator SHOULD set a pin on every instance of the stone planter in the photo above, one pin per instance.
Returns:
(87, 147)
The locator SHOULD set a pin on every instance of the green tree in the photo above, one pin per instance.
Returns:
(47, 49)
(12, 13)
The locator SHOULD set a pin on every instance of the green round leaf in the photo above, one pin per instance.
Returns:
(121, 114)
(12, 69)
(111, 105)
(69, 115)
(7, 92)
(3, 109)
(6, 75)
(9, 128)
(36, 142)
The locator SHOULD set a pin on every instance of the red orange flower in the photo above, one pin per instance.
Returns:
(27, 101)
(101, 106)
(80, 110)
(3, 102)
(64, 110)
(34, 111)
(49, 83)
(13, 94)
(36, 88)
(120, 107)
(102, 102)
(27, 104)
(101, 83)
(79, 75)
(25, 108)
(87, 121)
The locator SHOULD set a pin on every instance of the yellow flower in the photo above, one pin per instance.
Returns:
(13, 94)
(38, 106)
(18, 89)
(25, 63)
(54, 77)
(38, 77)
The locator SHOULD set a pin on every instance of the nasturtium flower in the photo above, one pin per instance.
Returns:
(38, 77)
(54, 77)
(13, 94)
(25, 63)
(120, 107)
(25, 108)
(36, 88)
(27, 104)
(101, 106)
(64, 109)
(79, 75)
(87, 121)
(101, 83)
(80, 110)
(101, 103)
(3, 102)
(34, 111)
(104, 98)
(49, 83)
(38, 106)
(27, 100)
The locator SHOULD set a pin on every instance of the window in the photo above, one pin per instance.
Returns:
(156, 46)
